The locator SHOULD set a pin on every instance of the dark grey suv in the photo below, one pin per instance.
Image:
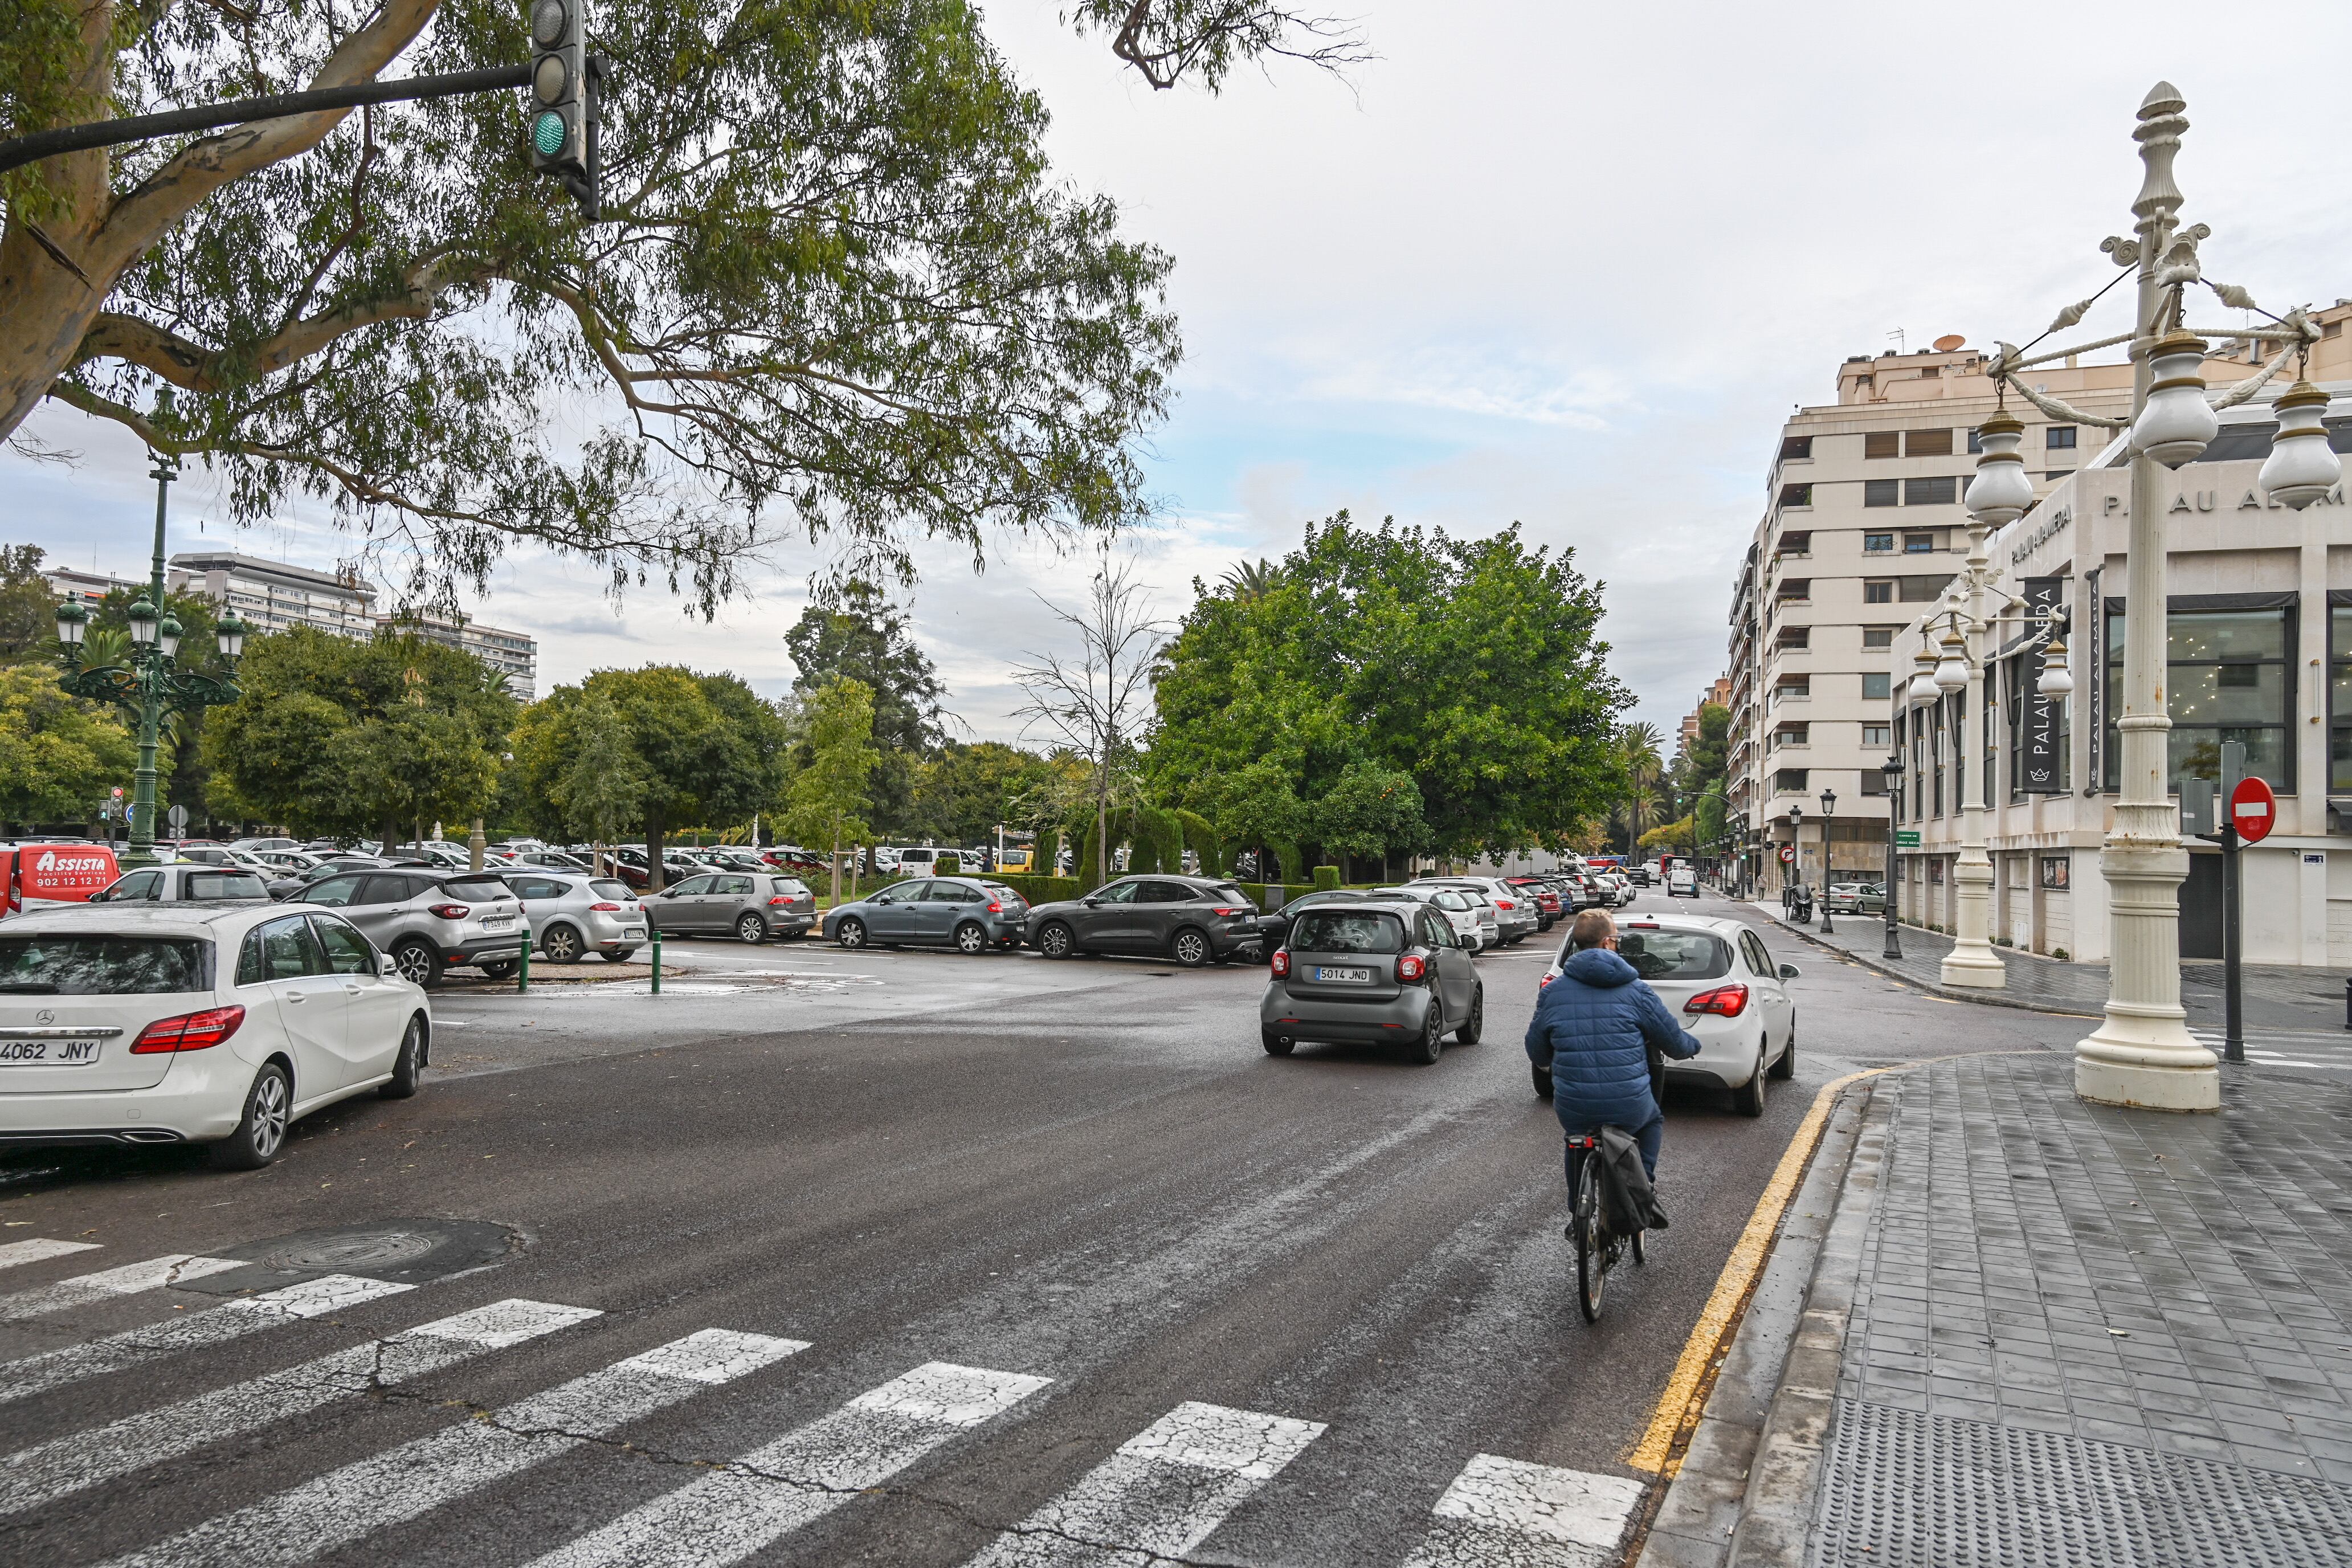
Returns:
(1193, 919)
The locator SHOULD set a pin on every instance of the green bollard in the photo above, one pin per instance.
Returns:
(522, 975)
(657, 935)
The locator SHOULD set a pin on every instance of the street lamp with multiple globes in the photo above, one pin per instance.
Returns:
(1796, 843)
(1828, 809)
(151, 683)
(2142, 1053)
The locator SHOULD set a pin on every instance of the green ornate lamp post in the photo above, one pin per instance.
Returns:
(151, 683)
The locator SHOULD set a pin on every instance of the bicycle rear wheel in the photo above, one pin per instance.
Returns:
(1592, 1241)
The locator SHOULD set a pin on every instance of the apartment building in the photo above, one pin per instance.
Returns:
(1862, 526)
(511, 654)
(272, 595)
(1718, 693)
(2259, 654)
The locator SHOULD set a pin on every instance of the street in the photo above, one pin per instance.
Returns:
(1085, 1178)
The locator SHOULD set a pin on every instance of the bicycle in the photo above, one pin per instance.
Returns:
(1599, 1248)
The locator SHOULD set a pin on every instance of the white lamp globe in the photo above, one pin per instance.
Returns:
(1952, 668)
(2301, 469)
(1922, 688)
(2177, 423)
(2000, 493)
(2057, 680)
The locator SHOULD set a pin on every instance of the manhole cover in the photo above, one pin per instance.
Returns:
(410, 1251)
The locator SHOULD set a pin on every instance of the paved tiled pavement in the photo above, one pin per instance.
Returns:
(2086, 1334)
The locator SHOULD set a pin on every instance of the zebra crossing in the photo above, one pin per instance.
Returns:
(2323, 1049)
(1154, 1497)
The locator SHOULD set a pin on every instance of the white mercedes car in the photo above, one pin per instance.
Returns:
(1725, 989)
(214, 1024)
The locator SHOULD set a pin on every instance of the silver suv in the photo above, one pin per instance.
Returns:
(572, 913)
(428, 920)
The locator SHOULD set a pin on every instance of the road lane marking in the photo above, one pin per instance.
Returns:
(1692, 1376)
(803, 1475)
(406, 1483)
(131, 1279)
(31, 1477)
(39, 1248)
(1512, 1514)
(233, 1318)
(1163, 1493)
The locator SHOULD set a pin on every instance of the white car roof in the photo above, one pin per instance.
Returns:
(151, 920)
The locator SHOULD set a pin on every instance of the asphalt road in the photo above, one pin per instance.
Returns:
(1081, 1186)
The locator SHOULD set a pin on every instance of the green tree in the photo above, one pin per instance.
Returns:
(1255, 805)
(857, 633)
(28, 610)
(1710, 751)
(837, 281)
(1471, 666)
(828, 795)
(1638, 747)
(704, 747)
(1370, 811)
(963, 791)
(345, 736)
(602, 792)
(57, 754)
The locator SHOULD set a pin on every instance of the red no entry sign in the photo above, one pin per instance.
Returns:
(2253, 810)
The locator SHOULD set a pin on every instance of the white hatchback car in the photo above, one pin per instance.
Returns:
(1725, 989)
(216, 1024)
(1471, 918)
(1682, 882)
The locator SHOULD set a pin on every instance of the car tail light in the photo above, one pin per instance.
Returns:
(1505, 904)
(1728, 1000)
(780, 899)
(1221, 911)
(1281, 961)
(996, 908)
(449, 911)
(1546, 981)
(188, 1032)
(1411, 969)
(607, 908)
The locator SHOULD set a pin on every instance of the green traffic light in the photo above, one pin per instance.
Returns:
(548, 133)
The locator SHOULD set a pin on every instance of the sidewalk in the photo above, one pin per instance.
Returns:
(2278, 996)
(2041, 1331)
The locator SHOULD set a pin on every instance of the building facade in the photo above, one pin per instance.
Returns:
(511, 654)
(2260, 623)
(1862, 526)
(273, 596)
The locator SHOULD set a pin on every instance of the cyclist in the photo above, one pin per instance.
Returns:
(1594, 1029)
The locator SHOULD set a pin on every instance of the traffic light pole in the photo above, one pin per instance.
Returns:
(19, 150)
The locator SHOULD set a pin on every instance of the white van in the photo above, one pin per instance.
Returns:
(915, 862)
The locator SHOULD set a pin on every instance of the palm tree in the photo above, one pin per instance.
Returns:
(1637, 754)
(1251, 579)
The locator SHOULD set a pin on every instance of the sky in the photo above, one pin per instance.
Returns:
(1561, 264)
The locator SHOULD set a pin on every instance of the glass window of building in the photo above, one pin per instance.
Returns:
(1873, 685)
(1927, 443)
(1882, 492)
(2339, 700)
(2229, 677)
(1882, 444)
(1878, 543)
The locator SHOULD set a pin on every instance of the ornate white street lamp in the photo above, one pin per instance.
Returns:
(2142, 1053)
(1828, 809)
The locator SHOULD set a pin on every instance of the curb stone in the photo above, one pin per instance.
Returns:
(1744, 1489)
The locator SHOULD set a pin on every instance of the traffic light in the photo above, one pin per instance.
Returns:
(563, 92)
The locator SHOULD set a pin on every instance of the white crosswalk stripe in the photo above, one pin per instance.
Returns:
(57, 1468)
(1163, 1493)
(233, 1318)
(131, 1279)
(406, 1482)
(37, 1249)
(1506, 1514)
(774, 1490)
(2287, 1050)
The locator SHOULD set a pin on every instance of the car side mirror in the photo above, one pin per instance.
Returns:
(1091, 901)
(1790, 971)
(384, 964)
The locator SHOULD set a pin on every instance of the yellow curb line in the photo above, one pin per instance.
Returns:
(1694, 1372)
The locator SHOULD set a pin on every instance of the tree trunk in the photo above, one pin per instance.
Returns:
(654, 880)
(391, 831)
(835, 862)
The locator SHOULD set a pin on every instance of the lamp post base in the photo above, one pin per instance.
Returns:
(2144, 1075)
(1975, 964)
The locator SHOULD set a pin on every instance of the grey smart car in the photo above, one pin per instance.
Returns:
(1384, 974)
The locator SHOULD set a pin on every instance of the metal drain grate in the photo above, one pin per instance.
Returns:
(407, 1251)
(1899, 1486)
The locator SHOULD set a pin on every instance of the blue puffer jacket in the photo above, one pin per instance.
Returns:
(1593, 1027)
